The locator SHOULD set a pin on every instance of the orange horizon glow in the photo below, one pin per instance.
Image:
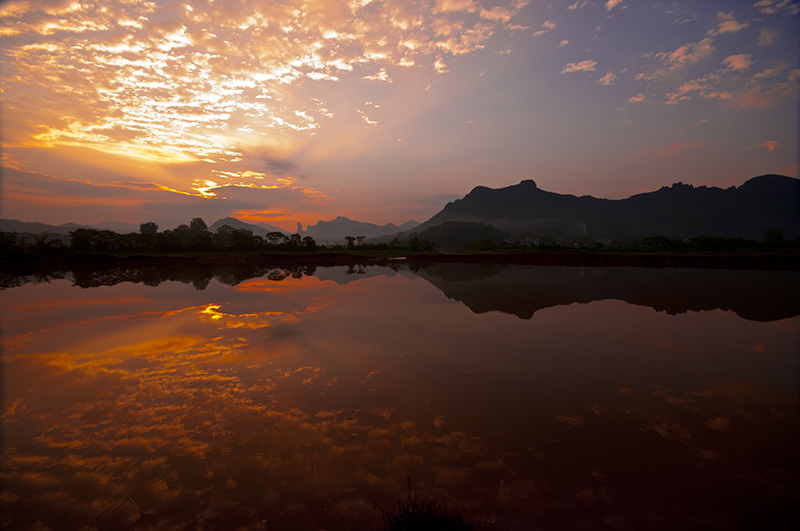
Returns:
(381, 110)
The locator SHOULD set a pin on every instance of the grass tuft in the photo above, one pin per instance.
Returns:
(423, 514)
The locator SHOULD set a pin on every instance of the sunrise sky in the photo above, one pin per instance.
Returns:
(382, 110)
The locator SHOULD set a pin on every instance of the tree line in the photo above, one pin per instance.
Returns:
(772, 240)
(194, 237)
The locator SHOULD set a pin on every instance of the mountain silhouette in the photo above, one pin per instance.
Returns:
(460, 234)
(679, 211)
(34, 227)
(336, 229)
(258, 230)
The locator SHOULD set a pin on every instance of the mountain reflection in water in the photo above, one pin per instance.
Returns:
(302, 398)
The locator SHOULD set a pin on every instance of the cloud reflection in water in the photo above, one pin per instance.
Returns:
(304, 403)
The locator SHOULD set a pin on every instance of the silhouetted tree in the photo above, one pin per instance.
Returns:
(9, 242)
(198, 225)
(148, 228)
(773, 235)
(182, 233)
(242, 239)
(416, 244)
(224, 236)
(309, 244)
(350, 242)
(276, 239)
(168, 241)
(202, 241)
(294, 241)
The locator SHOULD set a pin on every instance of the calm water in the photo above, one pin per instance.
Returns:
(533, 397)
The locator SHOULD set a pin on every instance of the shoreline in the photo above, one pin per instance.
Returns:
(756, 261)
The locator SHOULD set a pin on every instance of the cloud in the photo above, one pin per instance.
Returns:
(770, 145)
(547, 27)
(705, 87)
(447, 6)
(687, 55)
(611, 4)
(636, 99)
(583, 66)
(726, 23)
(563, 43)
(766, 37)
(379, 77)
(738, 62)
(59, 200)
(763, 95)
(280, 167)
(170, 84)
(774, 7)
(607, 79)
(579, 4)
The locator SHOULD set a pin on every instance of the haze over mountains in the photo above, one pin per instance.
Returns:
(526, 211)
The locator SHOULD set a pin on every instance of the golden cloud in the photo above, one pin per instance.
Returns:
(172, 83)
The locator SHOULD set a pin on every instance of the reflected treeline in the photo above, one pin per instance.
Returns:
(198, 275)
(513, 289)
(523, 290)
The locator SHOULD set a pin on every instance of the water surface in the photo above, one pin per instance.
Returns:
(531, 397)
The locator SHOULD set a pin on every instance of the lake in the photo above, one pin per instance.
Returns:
(308, 398)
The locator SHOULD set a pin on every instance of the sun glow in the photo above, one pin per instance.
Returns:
(207, 85)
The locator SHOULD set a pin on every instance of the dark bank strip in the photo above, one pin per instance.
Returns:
(765, 261)
(28, 262)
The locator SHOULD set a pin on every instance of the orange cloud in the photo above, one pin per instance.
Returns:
(688, 54)
(767, 95)
(727, 24)
(770, 145)
(583, 66)
(741, 61)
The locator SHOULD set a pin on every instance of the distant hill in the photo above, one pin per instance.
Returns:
(677, 211)
(259, 230)
(34, 227)
(336, 230)
(117, 226)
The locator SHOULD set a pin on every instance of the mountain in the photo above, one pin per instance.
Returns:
(460, 234)
(259, 230)
(34, 227)
(117, 226)
(271, 228)
(336, 230)
(677, 211)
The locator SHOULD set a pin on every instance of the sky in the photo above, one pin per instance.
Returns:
(382, 110)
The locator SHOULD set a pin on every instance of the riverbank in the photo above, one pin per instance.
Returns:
(29, 262)
(759, 261)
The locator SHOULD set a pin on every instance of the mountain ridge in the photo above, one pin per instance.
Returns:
(528, 212)
(677, 211)
(336, 229)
